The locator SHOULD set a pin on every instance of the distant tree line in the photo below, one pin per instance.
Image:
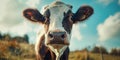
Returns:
(103, 50)
(7, 37)
(115, 52)
(99, 50)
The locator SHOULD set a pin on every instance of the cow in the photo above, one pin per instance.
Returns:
(57, 18)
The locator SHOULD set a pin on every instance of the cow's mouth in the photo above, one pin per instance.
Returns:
(57, 42)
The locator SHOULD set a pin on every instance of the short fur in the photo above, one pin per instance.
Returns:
(56, 18)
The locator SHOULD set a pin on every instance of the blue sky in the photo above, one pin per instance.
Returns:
(101, 29)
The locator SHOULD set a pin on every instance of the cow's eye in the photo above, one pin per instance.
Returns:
(64, 14)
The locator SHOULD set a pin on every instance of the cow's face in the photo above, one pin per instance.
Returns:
(58, 19)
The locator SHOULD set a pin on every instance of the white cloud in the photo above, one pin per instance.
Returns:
(11, 19)
(76, 32)
(110, 29)
(119, 2)
(105, 2)
(33, 3)
(10, 13)
(19, 29)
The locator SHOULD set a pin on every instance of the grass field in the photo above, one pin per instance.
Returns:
(92, 56)
(24, 51)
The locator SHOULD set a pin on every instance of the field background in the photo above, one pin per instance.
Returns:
(12, 50)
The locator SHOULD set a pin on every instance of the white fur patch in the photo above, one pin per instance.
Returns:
(57, 10)
(56, 17)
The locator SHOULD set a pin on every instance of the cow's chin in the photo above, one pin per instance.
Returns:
(58, 46)
(58, 49)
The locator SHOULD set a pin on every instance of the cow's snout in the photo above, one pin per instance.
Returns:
(57, 37)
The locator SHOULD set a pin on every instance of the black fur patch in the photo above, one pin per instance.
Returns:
(66, 22)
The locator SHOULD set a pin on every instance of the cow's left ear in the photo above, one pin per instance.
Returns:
(33, 15)
(82, 14)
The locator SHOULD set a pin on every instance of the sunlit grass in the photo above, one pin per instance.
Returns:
(26, 52)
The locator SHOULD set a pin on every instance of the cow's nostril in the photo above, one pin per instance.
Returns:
(63, 36)
(58, 35)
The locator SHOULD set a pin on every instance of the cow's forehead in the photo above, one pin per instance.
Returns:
(56, 10)
(57, 6)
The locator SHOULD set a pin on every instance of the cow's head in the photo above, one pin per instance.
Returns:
(58, 20)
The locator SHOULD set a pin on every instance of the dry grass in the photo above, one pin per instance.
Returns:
(26, 52)
(22, 51)
(92, 56)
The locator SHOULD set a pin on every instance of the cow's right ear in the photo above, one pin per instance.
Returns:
(33, 15)
(83, 13)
